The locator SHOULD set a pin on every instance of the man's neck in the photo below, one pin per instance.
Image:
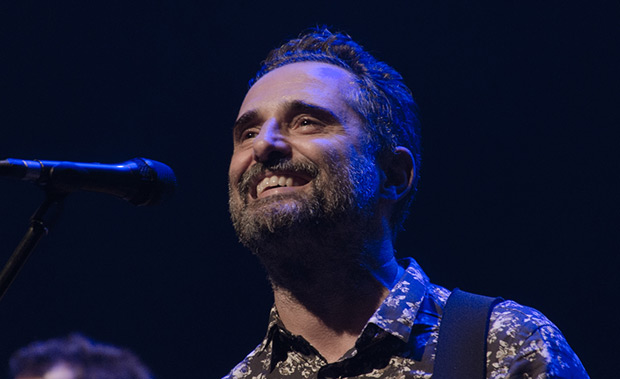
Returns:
(331, 329)
(329, 304)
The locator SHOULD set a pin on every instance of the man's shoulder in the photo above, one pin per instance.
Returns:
(522, 339)
(506, 316)
(511, 321)
(510, 315)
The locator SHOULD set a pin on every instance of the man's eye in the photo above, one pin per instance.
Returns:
(248, 134)
(309, 122)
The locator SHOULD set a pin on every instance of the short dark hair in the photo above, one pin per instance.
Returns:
(89, 359)
(384, 101)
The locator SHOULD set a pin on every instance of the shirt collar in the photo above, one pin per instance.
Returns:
(398, 312)
(404, 307)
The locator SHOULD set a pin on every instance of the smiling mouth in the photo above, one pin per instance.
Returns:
(276, 181)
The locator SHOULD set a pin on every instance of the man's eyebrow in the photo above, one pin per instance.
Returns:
(298, 106)
(246, 118)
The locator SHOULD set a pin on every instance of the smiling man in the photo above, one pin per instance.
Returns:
(324, 168)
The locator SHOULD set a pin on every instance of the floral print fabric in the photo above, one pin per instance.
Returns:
(399, 341)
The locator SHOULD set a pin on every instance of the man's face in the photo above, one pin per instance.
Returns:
(299, 155)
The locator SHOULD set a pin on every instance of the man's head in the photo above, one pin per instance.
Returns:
(319, 136)
(382, 99)
(75, 357)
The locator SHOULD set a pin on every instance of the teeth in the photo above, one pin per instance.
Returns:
(274, 181)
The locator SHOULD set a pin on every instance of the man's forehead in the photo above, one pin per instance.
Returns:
(317, 70)
(313, 82)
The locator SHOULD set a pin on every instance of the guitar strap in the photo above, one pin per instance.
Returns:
(461, 348)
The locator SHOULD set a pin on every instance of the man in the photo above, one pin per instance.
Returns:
(75, 357)
(325, 165)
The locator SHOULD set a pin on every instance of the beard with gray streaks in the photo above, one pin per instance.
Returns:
(298, 233)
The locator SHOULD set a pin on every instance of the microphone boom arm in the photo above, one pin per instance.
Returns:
(40, 223)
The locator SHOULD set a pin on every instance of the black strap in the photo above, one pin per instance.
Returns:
(462, 344)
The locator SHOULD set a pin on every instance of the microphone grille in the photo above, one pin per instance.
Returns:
(161, 179)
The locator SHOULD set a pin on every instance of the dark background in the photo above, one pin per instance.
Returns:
(520, 175)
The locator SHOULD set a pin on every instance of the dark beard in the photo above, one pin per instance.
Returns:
(302, 236)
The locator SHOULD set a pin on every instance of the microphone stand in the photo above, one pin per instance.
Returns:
(40, 224)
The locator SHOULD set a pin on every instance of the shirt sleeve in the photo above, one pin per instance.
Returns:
(523, 343)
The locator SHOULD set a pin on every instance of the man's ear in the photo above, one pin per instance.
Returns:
(399, 172)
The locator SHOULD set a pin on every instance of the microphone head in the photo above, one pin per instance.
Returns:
(158, 183)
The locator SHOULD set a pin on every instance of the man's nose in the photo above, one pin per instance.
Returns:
(270, 144)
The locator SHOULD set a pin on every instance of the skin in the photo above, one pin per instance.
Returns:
(272, 122)
(59, 371)
(300, 112)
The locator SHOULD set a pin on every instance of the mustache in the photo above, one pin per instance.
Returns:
(259, 169)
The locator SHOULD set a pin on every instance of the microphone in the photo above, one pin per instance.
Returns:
(140, 181)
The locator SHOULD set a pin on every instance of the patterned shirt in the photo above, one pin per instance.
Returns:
(399, 341)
